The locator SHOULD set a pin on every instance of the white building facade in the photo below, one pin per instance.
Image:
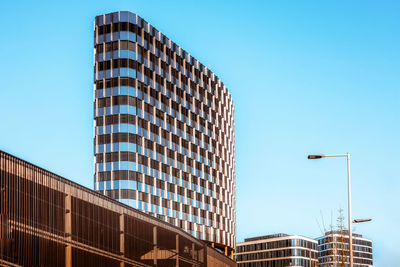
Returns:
(278, 250)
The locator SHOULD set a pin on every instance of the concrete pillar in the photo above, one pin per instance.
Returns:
(155, 250)
(68, 231)
(193, 252)
(121, 238)
(177, 250)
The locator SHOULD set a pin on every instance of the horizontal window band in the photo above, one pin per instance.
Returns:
(118, 137)
(117, 100)
(116, 156)
(117, 63)
(115, 119)
(120, 193)
(115, 82)
(116, 91)
(119, 26)
(115, 73)
(115, 45)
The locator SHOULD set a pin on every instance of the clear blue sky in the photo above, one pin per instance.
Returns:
(306, 77)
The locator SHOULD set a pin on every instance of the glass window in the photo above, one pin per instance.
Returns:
(132, 18)
(116, 72)
(108, 74)
(115, 54)
(100, 57)
(108, 92)
(132, 37)
(124, 35)
(124, 90)
(115, 148)
(100, 112)
(100, 39)
(100, 148)
(100, 75)
(116, 184)
(108, 185)
(124, 53)
(108, 166)
(132, 148)
(99, 93)
(124, 16)
(123, 146)
(108, 56)
(100, 186)
(108, 37)
(124, 165)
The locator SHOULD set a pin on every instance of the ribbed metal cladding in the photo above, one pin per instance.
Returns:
(164, 130)
(46, 220)
(29, 210)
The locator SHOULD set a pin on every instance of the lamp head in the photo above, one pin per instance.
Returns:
(315, 156)
(361, 220)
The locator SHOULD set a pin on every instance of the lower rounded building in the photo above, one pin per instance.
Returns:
(333, 250)
(277, 250)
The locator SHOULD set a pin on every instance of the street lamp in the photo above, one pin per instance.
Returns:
(319, 156)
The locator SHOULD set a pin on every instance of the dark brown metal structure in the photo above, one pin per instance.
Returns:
(46, 220)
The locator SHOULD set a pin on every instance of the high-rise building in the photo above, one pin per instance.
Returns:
(164, 130)
(277, 250)
(47, 220)
(333, 249)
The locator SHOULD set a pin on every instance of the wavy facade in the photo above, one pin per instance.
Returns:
(164, 130)
(47, 220)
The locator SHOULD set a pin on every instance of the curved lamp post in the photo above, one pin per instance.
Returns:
(319, 156)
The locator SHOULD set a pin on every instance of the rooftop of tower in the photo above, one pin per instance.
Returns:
(127, 16)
